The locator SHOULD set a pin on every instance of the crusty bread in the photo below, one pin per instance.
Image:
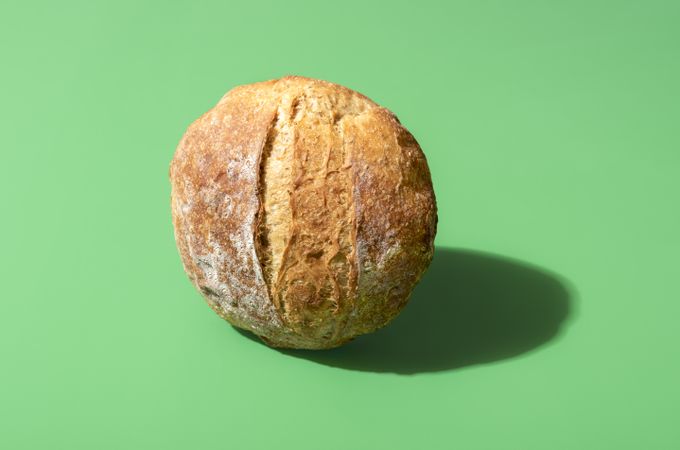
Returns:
(303, 211)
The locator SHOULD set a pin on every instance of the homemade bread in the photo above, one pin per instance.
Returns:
(303, 211)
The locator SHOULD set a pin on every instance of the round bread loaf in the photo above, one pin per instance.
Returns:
(303, 211)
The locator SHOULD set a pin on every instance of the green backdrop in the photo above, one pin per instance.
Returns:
(549, 318)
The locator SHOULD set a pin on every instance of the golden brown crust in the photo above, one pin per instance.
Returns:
(214, 205)
(303, 211)
(396, 217)
(316, 285)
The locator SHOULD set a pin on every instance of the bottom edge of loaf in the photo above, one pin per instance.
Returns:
(288, 341)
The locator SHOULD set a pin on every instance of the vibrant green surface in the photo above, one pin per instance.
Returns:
(552, 131)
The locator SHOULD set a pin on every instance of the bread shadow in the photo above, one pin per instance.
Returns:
(470, 308)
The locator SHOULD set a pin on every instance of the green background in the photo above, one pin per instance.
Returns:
(549, 319)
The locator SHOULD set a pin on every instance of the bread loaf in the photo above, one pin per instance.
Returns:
(303, 211)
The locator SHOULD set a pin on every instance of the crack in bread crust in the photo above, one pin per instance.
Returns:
(274, 216)
(318, 278)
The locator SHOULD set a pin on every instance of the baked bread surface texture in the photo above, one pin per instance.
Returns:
(303, 211)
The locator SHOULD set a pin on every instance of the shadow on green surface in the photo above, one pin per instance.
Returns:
(470, 308)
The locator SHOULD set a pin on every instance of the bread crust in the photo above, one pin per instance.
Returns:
(303, 211)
